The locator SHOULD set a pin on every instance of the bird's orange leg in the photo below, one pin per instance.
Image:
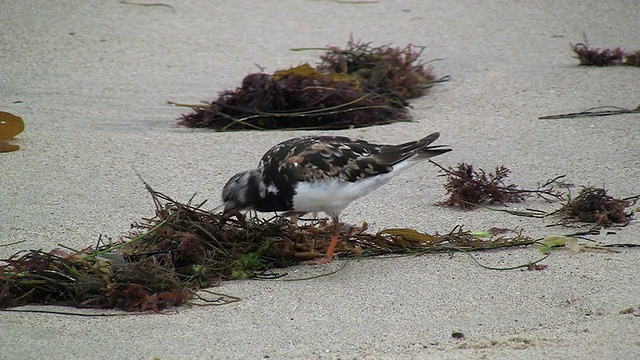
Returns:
(332, 245)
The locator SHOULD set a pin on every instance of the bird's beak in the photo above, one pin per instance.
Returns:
(230, 207)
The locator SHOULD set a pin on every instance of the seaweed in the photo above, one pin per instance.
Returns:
(596, 57)
(592, 112)
(595, 205)
(297, 98)
(385, 70)
(467, 188)
(589, 56)
(353, 87)
(167, 260)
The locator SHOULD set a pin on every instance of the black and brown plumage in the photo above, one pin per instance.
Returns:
(322, 174)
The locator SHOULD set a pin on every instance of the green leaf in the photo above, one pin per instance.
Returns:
(199, 269)
(481, 234)
(239, 274)
(552, 241)
(252, 260)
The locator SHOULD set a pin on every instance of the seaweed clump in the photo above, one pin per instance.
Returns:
(385, 70)
(589, 56)
(163, 262)
(594, 205)
(468, 187)
(297, 98)
(353, 87)
(168, 259)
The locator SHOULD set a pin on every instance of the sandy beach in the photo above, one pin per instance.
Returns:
(92, 79)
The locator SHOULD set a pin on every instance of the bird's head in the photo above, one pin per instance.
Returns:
(236, 193)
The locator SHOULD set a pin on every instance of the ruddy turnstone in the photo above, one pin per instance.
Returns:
(322, 173)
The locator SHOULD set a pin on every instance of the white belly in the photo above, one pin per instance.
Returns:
(334, 195)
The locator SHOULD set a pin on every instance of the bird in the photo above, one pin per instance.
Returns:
(314, 174)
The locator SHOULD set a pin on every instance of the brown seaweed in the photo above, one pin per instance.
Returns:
(385, 70)
(297, 98)
(595, 205)
(589, 56)
(360, 85)
(467, 188)
(167, 259)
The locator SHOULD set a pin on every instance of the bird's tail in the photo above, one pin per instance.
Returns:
(419, 149)
(425, 151)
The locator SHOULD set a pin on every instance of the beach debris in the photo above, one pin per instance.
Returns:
(596, 111)
(630, 310)
(147, 4)
(589, 56)
(468, 188)
(358, 86)
(554, 241)
(10, 126)
(595, 205)
(167, 260)
(296, 98)
(388, 71)
(537, 267)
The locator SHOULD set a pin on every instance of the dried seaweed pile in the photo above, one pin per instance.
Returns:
(468, 188)
(165, 260)
(392, 72)
(589, 56)
(594, 205)
(353, 87)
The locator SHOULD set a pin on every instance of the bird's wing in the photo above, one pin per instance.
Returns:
(317, 158)
(338, 157)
